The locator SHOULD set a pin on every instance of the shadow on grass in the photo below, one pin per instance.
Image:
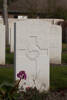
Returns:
(6, 75)
(64, 57)
(9, 57)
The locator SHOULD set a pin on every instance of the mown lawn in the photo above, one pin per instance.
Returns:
(64, 58)
(58, 76)
(64, 47)
(6, 75)
(64, 53)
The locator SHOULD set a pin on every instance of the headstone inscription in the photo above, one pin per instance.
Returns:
(32, 52)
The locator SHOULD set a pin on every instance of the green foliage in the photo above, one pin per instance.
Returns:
(33, 94)
(11, 91)
(6, 94)
(29, 94)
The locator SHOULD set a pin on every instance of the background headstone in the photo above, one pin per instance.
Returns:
(11, 22)
(54, 21)
(2, 44)
(22, 17)
(55, 44)
(12, 38)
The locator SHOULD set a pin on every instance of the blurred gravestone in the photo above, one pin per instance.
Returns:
(2, 44)
(55, 44)
(12, 38)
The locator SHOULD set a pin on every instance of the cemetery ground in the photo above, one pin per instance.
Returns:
(58, 73)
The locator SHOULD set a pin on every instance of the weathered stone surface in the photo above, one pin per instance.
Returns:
(11, 22)
(12, 38)
(55, 44)
(22, 17)
(54, 21)
(2, 44)
(31, 52)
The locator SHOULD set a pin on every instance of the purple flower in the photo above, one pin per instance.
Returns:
(22, 75)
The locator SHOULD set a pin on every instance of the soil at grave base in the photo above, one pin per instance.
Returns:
(52, 95)
(6, 65)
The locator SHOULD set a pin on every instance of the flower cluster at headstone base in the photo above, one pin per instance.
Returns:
(10, 91)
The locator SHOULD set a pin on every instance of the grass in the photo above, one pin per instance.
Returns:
(64, 54)
(64, 58)
(9, 57)
(64, 47)
(6, 75)
(58, 77)
(58, 74)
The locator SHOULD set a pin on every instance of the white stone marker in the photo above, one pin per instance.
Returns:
(54, 21)
(55, 44)
(31, 52)
(2, 44)
(58, 20)
(11, 22)
(1, 21)
(22, 17)
(12, 38)
(11, 33)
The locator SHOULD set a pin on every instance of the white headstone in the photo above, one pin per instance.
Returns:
(54, 21)
(22, 17)
(31, 52)
(11, 22)
(2, 44)
(1, 20)
(55, 44)
(55, 40)
(11, 33)
(49, 20)
(58, 20)
(12, 38)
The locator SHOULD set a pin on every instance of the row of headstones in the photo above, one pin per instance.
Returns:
(3, 39)
(37, 43)
(55, 38)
